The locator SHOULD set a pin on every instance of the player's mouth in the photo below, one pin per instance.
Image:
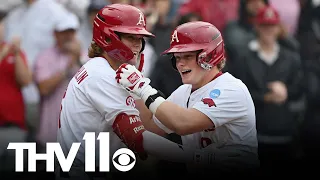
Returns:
(184, 72)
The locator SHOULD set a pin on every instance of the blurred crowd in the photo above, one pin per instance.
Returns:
(273, 46)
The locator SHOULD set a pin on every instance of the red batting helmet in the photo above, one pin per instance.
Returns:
(198, 36)
(118, 18)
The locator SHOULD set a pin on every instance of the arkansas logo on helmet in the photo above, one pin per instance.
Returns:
(198, 36)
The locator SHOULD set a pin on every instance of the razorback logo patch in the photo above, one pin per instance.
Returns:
(209, 102)
(140, 85)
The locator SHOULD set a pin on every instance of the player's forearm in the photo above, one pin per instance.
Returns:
(174, 117)
(178, 119)
(146, 117)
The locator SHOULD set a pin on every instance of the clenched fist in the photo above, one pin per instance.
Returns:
(133, 81)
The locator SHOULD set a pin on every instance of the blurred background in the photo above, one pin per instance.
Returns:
(273, 46)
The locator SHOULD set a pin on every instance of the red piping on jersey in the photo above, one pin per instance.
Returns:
(217, 75)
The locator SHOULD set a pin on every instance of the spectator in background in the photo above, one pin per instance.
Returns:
(33, 22)
(239, 32)
(6, 6)
(78, 7)
(216, 12)
(273, 75)
(289, 11)
(54, 68)
(308, 33)
(161, 11)
(309, 37)
(118, 1)
(14, 74)
(152, 15)
(85, 30)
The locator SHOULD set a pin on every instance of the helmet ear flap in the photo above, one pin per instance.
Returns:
(212, 55)
(173, 62)
(143, 44)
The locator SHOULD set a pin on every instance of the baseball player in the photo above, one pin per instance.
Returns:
(213, 111)
(93, 99)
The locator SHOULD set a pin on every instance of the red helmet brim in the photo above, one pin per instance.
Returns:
(133, 30)
(185, 48)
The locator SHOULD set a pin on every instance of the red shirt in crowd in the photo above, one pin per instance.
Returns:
(11, 99)
(217, 12)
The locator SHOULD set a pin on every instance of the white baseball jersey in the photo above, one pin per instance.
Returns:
(91, 103)
(228, 103)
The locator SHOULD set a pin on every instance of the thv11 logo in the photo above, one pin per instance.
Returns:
(123, 159)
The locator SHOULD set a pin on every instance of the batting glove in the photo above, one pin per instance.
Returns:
(133, 81)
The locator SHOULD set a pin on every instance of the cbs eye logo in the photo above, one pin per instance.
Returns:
(124, 159)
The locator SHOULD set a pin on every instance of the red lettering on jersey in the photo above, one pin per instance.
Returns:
(81, 75)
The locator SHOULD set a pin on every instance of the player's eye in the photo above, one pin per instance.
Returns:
(124, 159)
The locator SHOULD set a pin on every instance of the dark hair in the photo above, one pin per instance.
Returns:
(2, 15)
(243, 13)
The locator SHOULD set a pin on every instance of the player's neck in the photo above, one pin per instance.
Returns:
(210, 76)
(113, 63)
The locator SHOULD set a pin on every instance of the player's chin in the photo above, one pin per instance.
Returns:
(133, 61)
(186, 80)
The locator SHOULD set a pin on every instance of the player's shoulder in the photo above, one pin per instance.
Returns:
(182, 90)
(228, 80)
(96, 70)
(227, 84)
(99, 67)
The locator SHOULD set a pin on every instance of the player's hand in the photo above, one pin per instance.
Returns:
(133, 81)
(129, 129)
